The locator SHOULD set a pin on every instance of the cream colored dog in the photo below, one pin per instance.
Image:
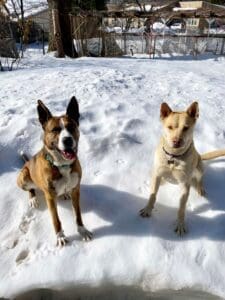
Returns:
(176, 159)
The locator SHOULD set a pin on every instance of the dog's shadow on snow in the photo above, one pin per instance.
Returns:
(120, 211)
(9, 159)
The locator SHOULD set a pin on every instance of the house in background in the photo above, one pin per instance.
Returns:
(41, 18)
(7, 43)
(184, 14)
(199, 25)
(36, 18)
(39, 24)
(138, 9)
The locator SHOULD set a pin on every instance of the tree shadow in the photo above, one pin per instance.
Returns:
(110, 292)
(176, 57)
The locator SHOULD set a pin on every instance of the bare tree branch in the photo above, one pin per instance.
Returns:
(15, 8)
(139, 4)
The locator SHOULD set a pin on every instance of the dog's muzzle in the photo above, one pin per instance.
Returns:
(68, 142)
(69, 154)
(177, 143)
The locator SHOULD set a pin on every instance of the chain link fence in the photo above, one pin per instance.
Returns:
(113, 44)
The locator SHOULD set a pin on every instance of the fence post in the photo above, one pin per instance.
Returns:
(43, 40)
(222, 47)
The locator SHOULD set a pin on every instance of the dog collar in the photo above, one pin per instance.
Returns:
(171, 156)
(50, 159)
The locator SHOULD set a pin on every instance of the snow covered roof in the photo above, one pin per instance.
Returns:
(201, 5)
(142, 6)
(31, 7)
(184, 8)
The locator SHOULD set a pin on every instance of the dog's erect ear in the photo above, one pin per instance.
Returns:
(73, 110)
(43, 113)
(193, 110)
(165, 110)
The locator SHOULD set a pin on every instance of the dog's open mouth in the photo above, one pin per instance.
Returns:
(68, 154)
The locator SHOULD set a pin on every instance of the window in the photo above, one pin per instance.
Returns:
(192, 22)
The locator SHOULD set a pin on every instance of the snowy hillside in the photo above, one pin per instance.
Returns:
(119, 103)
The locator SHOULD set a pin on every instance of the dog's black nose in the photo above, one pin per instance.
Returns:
(177, 143)
(68, 142)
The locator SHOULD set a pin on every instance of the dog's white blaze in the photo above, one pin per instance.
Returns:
(64, 133)
(68, 181)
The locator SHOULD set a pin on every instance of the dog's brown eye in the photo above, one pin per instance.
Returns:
(185, 128)
(170, 127)
(56, 129)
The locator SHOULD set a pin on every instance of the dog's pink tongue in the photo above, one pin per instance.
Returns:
(69, 154)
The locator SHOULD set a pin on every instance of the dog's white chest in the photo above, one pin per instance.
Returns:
(175, 172)
(67, 182)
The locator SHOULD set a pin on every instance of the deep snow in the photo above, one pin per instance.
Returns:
(119, 102)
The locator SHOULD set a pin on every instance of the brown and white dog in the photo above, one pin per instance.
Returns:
(176, 159)
(55, 169)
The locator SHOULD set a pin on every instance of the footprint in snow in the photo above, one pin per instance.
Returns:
(10, 241)
(25, 223)
(144, 188)
(5, 121)
(133, 124)
(97, 173)
(120, 161)
(23, 255)
(200, 257)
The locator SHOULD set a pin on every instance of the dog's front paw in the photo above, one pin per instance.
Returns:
(180, 229)
(61, 239)
(86, 235)
(33, 202)
(145, 212)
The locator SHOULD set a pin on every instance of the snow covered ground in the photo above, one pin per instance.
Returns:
(119, 102)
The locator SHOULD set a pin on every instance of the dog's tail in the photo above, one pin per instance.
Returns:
(24, 157)
(213, 154)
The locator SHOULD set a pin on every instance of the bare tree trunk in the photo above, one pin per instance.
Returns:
(57, 33)
(22, 27)
(61, 28)
(51, 39)
(65, 7)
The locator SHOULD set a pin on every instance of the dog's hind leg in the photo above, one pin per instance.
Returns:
(198, 186)
(197, 181)
(25, 182)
